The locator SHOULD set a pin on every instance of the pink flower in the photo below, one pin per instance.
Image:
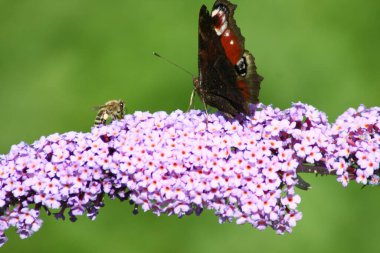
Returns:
(291, 201)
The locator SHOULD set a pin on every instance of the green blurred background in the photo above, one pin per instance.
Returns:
(58, 59)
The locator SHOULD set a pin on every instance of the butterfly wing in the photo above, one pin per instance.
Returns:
(217, 76)
(228, 78)
(248, 80)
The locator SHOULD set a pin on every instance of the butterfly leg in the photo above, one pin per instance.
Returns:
(205, 105)
(191, 100)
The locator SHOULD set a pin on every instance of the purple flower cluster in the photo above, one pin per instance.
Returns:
(177, 164)
(354, 153)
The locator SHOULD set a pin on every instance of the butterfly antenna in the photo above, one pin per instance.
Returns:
(182, 68)
(174, 64)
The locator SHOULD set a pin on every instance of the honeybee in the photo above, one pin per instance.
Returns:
(113, 109)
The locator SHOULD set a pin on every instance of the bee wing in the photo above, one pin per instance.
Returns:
(98, 107)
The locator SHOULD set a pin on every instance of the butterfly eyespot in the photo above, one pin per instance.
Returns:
(241, 67)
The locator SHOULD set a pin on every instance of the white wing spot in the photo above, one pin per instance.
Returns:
(222, 22)
(214, 12)
(232, 42)
(220, 31)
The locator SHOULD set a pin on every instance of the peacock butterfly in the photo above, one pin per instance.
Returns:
(227, 79)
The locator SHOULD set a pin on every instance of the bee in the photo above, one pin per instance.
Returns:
(113, 109)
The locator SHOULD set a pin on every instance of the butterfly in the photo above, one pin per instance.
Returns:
(227, 79)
